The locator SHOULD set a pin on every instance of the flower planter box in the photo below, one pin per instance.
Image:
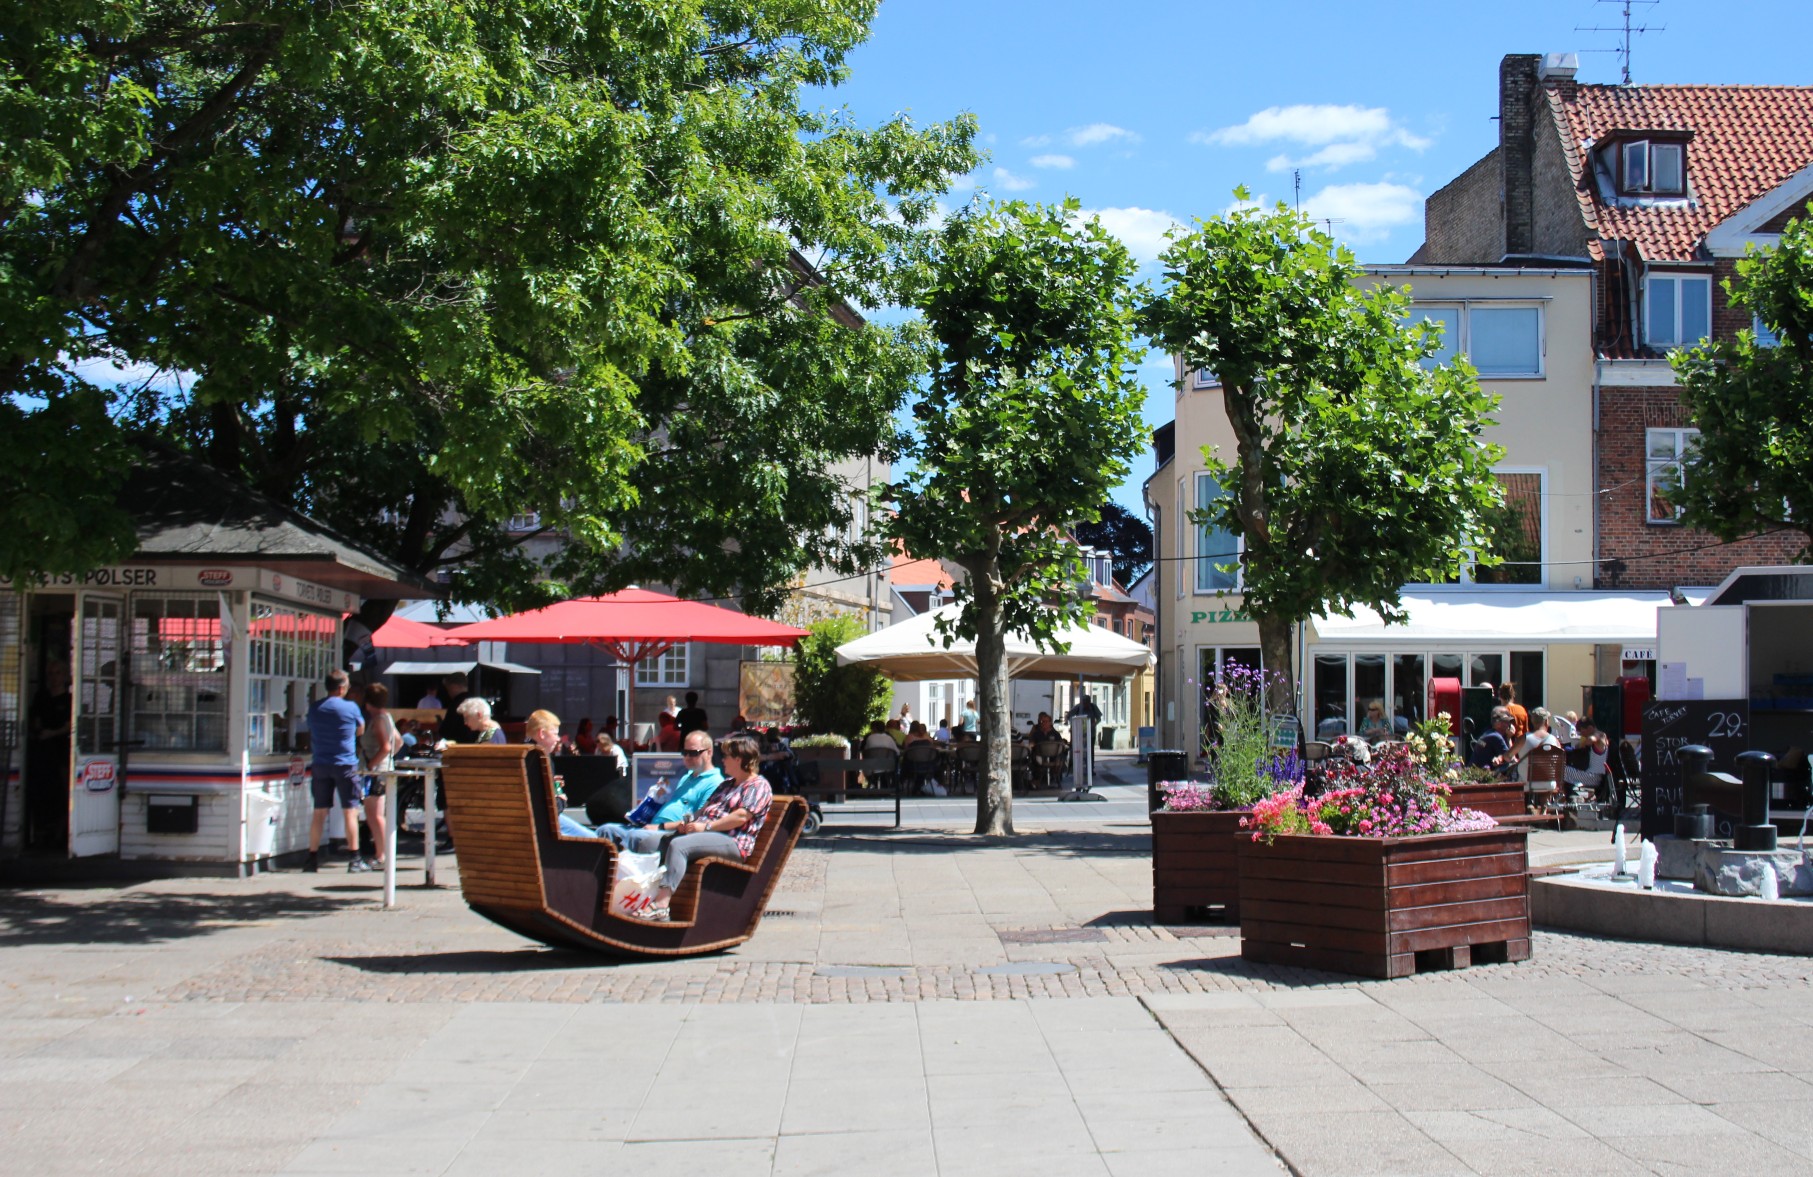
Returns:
(829, 780)
(1500, 799)
(1195, 865)
(1386, 907)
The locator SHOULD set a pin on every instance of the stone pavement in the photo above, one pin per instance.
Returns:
(1019, 1014)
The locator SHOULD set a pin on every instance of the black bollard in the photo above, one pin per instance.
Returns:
(1756, 832)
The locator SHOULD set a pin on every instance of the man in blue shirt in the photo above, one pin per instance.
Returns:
(335, 724)
(641, 832)
(1493, 750)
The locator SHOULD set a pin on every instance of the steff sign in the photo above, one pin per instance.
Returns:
(98, 775)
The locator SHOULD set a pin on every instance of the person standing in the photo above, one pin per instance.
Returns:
(692, 717)
(379, 744)
(972, 720)
(1520, 719)
(334, 727)
(454, 728)
(430, 701)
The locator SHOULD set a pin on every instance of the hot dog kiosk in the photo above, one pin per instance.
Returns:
(155, 710)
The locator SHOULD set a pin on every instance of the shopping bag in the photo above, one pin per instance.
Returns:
(633, 893)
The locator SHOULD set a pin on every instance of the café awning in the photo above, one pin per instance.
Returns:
(914, 651)
(1504, 617)
(445, 668)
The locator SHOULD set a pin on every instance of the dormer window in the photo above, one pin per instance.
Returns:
(1652, 168)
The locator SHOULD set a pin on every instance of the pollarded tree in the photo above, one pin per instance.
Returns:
(1752, 400)
(1357, 468)
(440, 264)
(1031, 417)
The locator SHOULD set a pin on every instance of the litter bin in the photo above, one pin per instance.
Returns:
(262, 814)
(1164, 764)
(1105, 739)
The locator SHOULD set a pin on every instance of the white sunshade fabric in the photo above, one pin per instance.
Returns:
(1538, 617)
(913, 651)
(450, 667)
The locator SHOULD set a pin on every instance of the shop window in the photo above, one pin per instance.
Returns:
(1527, 677)
(669, 669)
(289, 652)
(1329, 690)
(179, 674)
(1409, 691)
(1485, 670)
(1667, 452)
(1679, 309)
(1217, 551)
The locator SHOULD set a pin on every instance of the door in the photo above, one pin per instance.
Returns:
(95, 787)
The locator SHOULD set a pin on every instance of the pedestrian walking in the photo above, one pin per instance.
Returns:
(334, 727)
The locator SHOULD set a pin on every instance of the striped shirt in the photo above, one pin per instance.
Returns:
(753, 795)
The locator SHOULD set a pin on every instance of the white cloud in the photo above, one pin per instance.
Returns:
(1343, 134)
(1141, 230)
(1036, 141)
(1096, 133)
(1053, 161)
(1365, 212)
(962, 183)
(1011, 182)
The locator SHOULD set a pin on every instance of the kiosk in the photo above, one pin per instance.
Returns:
(156, 709)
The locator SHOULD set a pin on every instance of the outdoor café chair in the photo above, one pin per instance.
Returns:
(918, 764)
(519, 871)
(967, 773)
(1048, 757)
(1545, 787)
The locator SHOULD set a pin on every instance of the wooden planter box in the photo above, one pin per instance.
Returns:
(1499, 799)
(829, 780)
(1386, 907)
(1195, 868)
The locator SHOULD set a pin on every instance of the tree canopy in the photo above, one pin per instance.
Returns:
(1125, 536)
(1358, 466)
(1031, 416)
(435, 265)
(833, 699)
(1752, 400)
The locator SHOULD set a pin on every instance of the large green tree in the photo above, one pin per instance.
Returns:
(1124, 536)
(437, 263)
(1031, 416)
(1752, 400)
(1358, 467)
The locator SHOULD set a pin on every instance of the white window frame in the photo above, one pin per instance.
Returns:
(1202, 378)
(1680, 279)
(661, 670)
(1764, 336)
(1461, 339)
(1203, 477)
(524, 521)
(1655, 466)
(1645, 150)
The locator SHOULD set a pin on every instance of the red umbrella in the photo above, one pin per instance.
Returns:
(633, 625)
(400, 633)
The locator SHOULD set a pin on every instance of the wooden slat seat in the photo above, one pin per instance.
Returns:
(517, 870)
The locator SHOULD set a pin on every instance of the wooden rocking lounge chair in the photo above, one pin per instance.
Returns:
(517, 870)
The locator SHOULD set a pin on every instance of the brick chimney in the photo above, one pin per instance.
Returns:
(1517, 90)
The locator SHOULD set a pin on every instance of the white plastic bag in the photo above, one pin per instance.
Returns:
(633, 893)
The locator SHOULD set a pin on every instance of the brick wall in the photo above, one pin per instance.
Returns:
(1461, 221)
(1518, 93)
(1557, 226)
(1624, 416)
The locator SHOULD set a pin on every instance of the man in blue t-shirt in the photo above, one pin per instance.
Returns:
(641, 830)
(335, 724)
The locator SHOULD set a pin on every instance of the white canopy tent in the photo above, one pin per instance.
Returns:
(913, 650)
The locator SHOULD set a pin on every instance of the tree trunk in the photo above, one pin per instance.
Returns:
(1275, 652)
(995, 799)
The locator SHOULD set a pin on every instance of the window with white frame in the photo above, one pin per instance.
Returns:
(1653, 169)
(1217, 551)
(1765, 337)
(1499, 339)
(1203, 378)
(290, 652)
(1679, 309)
(1667, 453)
(668, 669)
(179, 674)
(526, 521)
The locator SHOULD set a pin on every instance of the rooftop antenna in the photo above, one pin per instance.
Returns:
(1297, 188)
(1626, 31)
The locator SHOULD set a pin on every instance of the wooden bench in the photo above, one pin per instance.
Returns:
(519, 871)
(813, 772)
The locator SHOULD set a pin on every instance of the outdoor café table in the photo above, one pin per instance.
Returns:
(429, 771)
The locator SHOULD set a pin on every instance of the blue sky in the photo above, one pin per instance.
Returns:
(1151, 111)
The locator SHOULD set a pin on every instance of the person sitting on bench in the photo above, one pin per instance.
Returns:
(640, 831)
(728, 825)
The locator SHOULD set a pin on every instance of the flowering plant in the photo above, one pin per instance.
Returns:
(1187, 796)
(1237, 740)
(1394, 797)
(1431, 745)
(1351, 748)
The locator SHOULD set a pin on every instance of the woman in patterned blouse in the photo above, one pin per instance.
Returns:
(728, 824)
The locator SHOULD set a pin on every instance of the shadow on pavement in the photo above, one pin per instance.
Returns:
(476, 960)
(1282, 976)
(1065, 843)
(148, 916)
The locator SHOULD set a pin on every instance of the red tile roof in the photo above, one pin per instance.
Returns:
(1746, 141)
(906, 571)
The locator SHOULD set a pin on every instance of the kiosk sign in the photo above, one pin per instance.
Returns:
(98, 776)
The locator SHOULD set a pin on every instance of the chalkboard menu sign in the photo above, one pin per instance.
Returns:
(1720, 724)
